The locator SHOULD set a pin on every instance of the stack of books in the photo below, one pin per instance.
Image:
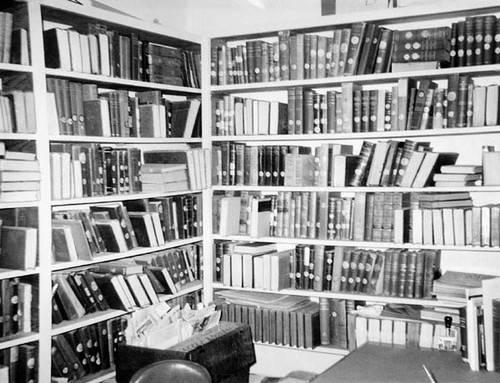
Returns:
(164, 177)
(459, 175)
(19, 176)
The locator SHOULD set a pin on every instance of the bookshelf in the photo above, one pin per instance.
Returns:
(232, 85)
(47, 137)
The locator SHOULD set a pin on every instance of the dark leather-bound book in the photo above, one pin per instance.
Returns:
(112, 291)
(384, 52)
(82, 292)
(70, 306)
(118, 212)
(89, 283)
(363, 164)
(299, 110)
(369, 49)
(78, 345)
(70, 361)
(356, 42)
(469, 41)
(57, 49)
(345, 38)
(321, 56)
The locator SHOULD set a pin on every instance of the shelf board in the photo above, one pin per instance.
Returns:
(86, 320)
(340, 295)
(126, 140)
(120, 82)
(365, 189)
(380, 78)
(118, 197)
(8, 273)
(18, 136)
(186, 289)
(16, 68)
(100, 376)
(321, 349)
(12, 205)
(18, 339)
(360, 136)
(360, 244)
(106, 257)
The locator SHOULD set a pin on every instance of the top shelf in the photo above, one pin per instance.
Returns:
(57, 10)
(430, 11)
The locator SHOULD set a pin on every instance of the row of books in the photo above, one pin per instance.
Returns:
(19, 363)
(420, 218)
(18, 308)
(362, 48)
(400, 332)
(409, 105)
(16, 108)
(103, 51)
(84, 110)
(234, 115)
(290, 321)
(116, 227)
(473, 41)
(171, 271)
(19, 172)
(13, 41)
(406, 163)
(125, 284)
(87, 350)
(88, 170)
(456, 225)
(401, 273)
(359, 49)
(312, 215)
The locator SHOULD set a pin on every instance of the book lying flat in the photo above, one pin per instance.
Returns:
(443, 196)
(254, 247)
(462, 169)
(456, 177)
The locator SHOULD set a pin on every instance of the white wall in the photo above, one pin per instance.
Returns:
(216, 16)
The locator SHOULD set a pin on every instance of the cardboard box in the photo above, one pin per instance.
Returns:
(226, 351)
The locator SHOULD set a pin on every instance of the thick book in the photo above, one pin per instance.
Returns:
(78, 236)
(70, 306)
(184, 115)
(19, 247)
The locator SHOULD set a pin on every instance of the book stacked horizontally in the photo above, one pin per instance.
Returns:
(459, 175)
(455, 286)
(19, 175)
(164, 177)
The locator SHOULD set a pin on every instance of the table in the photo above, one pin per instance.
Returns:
(385, 363)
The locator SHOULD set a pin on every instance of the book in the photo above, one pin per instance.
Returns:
(19, 247)
(78, 236)
(260, 217)
(256, 248)
(184, 117)
(432, 162)
(461, 169)
(70, 306)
